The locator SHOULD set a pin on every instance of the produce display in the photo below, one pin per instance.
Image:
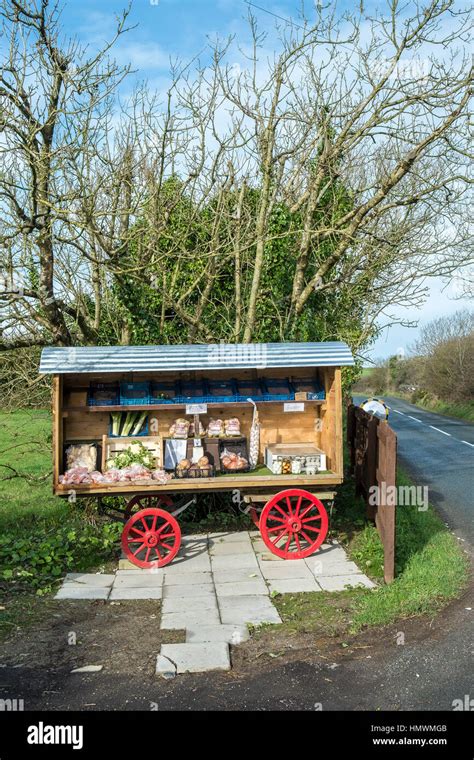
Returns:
(200, 469)
(215, 428)
(232, 462)
(135, 454)
(130, 423)
(179, 428)
(82, 455)
(134, 473)
(232, 427)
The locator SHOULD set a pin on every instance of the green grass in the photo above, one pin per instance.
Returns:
(463, 411)
(431, 571)
(42, 536)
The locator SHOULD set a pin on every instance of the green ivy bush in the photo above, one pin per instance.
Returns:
(36, 560)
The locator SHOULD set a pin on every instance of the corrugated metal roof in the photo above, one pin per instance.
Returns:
(103, 359)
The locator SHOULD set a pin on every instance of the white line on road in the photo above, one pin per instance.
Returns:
(415, 418)
(468, 444)
(440, 431)
(397, 412)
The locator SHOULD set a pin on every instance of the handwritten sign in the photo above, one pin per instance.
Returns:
(292, 407)
(196, 408)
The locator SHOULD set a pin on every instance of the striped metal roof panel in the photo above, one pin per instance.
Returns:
(102, 359)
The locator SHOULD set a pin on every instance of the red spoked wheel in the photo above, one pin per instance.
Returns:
(151, 501)
(293, 524)
(151, 538)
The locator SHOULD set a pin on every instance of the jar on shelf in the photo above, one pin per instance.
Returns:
(277, 466)
(295, 466)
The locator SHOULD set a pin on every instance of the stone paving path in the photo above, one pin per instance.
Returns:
(218, 584)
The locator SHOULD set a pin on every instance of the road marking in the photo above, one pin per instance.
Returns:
(397, 412)
(468, 444)
(415, 418)
(440, 431)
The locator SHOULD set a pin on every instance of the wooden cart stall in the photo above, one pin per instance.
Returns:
(161, 424)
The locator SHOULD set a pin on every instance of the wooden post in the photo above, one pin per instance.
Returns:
(57, 403)
(339, 467)
(385, 518)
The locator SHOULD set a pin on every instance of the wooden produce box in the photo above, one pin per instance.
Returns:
(112, 446)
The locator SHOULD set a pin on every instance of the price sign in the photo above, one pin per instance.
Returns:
(292, 407)
(196, 408)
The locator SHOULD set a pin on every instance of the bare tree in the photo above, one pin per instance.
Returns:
(343, 147)
(54, 102)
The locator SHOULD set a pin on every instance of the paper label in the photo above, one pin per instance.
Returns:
(292, 407)
(196, 408)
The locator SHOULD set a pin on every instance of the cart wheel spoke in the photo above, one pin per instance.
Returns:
(298, 506)
(294, 539)
(161, 537)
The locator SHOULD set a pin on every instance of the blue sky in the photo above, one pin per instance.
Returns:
(181, 28)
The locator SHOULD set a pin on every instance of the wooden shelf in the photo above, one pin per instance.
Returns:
(156, 407)
(274, 482)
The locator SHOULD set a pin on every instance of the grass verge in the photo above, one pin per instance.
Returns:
(431, 568)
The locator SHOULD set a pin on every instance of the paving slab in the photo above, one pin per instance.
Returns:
(185, 564)
(197, 603)
(81, 591)
(296, 568)
(267, 556)
(335, 568)
(188, 592)
(172, 620)
(234, 561)
(242, 588)
(124, 592)
(196, 578)
(231, 547)
(294, 585)
(155, 572)
(341, 582)
(237, 574)
(248, 609)
(232, 634)
(102, 580)
(240, 535)
(135, 580)
(260, 547)
(197, 657)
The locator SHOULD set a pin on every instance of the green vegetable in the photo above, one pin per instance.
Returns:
(139, 423)
(136, 453)
(116, 420)
(128, 424)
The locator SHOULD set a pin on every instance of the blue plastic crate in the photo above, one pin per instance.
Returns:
(277, 389)
(311, 386)
(192, 392)
(246, 389)
(169, 388)
(135, 394)
(144, 431)
(103, 394)
(221, 391)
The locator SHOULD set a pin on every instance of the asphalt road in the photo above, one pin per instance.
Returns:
(438, 452)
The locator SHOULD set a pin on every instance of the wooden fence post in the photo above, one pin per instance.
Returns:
(373, 462)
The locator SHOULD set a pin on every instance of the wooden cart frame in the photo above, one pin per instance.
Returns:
(314, 421)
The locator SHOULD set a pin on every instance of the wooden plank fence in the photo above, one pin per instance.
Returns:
(373, 462)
